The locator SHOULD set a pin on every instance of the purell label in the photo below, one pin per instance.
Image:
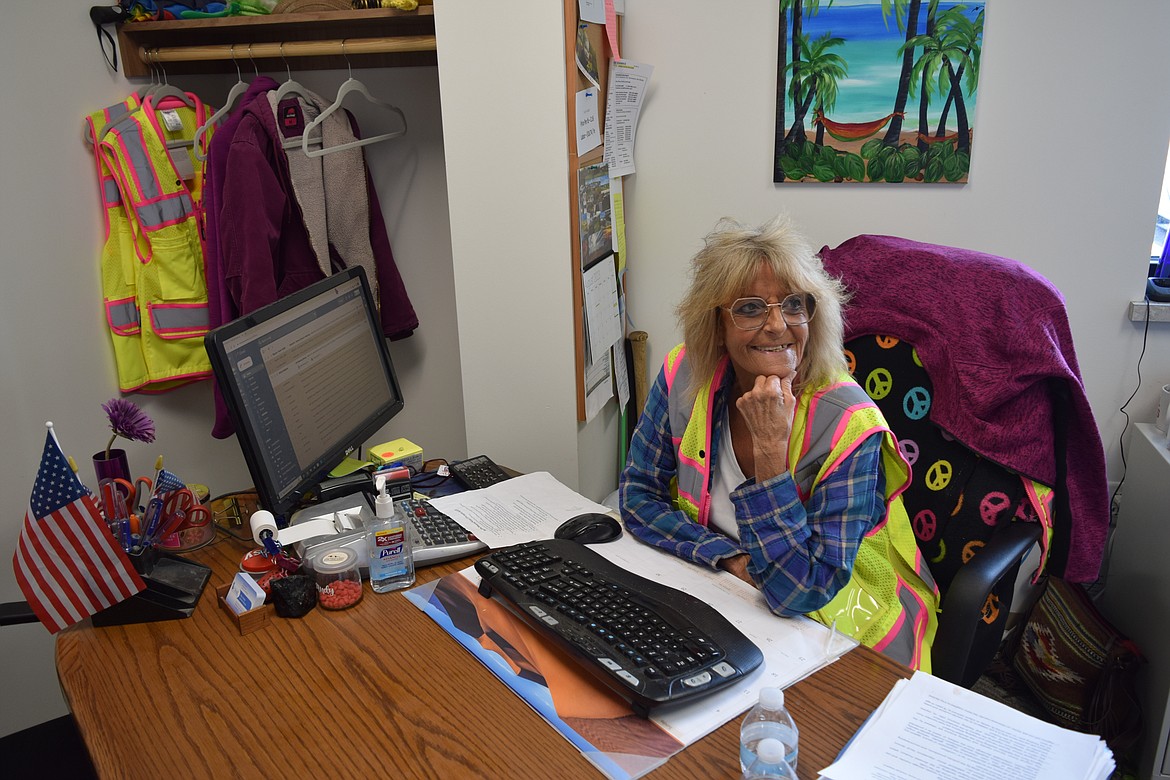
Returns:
(386, 556)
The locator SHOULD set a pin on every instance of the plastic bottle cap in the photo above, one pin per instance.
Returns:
(770, 751)
(771, 698)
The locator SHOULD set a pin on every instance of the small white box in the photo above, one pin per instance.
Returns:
(244, 595)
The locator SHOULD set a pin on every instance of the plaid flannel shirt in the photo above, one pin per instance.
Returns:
(801, 556)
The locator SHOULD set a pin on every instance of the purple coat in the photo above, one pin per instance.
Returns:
(997, 332)
(264, 251)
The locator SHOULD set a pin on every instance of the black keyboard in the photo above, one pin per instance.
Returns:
(478, 472)
(649, 643)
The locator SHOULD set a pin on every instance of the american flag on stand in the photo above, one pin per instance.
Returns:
(67, 562)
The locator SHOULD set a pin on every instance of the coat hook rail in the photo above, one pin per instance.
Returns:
(323, 48)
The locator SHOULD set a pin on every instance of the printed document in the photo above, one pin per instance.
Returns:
(928, 728)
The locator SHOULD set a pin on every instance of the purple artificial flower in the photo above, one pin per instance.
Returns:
(127, 421)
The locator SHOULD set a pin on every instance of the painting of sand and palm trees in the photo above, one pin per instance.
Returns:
(876, 90)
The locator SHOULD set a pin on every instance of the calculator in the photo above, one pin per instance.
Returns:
(478, 472)
(436, 537)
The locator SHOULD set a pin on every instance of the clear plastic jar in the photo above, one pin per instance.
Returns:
(339, 581)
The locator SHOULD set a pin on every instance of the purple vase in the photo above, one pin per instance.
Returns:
(113, 467)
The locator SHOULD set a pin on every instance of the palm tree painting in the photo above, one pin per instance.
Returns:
(876, 90)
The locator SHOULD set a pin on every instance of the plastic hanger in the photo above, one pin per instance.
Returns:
(165, 90)
(238, 89)
(348, 87)
(147, 89)
(289, 86)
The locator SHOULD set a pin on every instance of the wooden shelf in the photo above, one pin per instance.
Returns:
(372, 38)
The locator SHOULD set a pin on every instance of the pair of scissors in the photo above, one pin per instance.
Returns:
(180, 508)
(132, 493)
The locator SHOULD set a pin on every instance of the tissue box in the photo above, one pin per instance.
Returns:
(401, 451)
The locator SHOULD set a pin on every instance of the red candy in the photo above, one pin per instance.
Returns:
(340, 594)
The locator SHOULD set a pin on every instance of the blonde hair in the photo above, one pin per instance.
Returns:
(727, 265)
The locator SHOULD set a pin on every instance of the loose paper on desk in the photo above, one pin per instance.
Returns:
(928, 728)
(627, 88)
(516, 510)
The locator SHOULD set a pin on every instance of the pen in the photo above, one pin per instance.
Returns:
(150, 521)
(831, 637)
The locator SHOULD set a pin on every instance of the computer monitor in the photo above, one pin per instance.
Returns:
(306, 379)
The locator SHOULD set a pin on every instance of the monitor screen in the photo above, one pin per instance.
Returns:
(307, 379)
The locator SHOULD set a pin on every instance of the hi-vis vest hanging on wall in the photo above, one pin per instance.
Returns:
(890, 600)
(154, 290)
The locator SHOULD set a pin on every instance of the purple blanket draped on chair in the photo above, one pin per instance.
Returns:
(998, 332)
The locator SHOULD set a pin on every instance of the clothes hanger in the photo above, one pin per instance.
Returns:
(160, 93)
(289, 87)
(165, 90)
(148, 88)
(349, 86)
(238, 89)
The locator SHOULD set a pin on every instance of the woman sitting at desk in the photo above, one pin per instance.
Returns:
(758, 454)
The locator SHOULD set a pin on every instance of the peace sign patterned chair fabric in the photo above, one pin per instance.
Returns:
(964, 509)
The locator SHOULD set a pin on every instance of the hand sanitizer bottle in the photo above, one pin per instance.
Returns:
(391, 559)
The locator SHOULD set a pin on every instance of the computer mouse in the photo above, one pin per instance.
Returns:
(589, 528)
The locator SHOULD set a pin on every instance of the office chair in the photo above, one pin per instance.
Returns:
(970, 516)
(970, 358)
(50, 749)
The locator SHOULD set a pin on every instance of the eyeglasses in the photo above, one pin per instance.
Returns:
(752, 313)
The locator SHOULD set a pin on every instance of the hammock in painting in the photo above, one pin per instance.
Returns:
(853, 131)
(934, 139)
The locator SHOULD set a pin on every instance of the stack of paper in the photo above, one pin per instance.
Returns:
(928, 728)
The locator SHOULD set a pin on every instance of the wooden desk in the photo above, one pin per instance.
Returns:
(376, 689)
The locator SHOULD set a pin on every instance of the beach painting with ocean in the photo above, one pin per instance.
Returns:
(876, 90)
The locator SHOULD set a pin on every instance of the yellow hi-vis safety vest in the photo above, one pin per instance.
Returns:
(890, 602)
(152, 261)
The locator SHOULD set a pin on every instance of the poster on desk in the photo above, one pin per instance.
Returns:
(597, 722)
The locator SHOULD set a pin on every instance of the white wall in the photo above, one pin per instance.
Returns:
(502, 78)
(57, 361)
(1071, 129)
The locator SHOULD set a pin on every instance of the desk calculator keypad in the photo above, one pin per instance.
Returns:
(437, 537)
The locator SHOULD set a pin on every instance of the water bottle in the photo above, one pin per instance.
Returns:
(768, 719)
(770, 763)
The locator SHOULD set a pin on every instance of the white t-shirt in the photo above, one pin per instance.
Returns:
(727, 477)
